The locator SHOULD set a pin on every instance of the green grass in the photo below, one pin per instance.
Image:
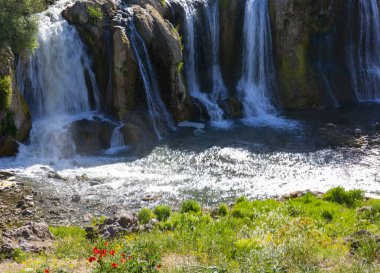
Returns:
(306, 234)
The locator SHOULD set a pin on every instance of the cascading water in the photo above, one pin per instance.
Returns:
(219, 91)
(256, 86)
(363, 30)
(161, 118)
(117, 142)
(53, 82)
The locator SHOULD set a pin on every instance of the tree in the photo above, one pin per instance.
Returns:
(18, 24)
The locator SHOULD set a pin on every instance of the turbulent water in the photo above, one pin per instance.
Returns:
(215, 166)
(363, 28)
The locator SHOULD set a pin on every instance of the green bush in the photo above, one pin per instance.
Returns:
(241, 199)
(144, 216)
(162, 212)
(327, 215)
(95, 14)
(223, 210)
(5, 92)
(339, 195)
(18, 25)
(190, 206)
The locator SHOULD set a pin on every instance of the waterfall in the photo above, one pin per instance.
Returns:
(160, 117)
(117, 142)
(363, 56)
(256, 86)
(53, 82)
(219, 92)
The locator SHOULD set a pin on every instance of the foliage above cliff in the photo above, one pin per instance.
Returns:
(18, 25)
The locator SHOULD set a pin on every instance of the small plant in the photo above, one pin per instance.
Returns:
(5, 92)
(144, 216)
(190, 206)
(162, 212)
(223, 210)
(95, 14)
(327, 215)
(349, 198)
(242, 199)
(180, 67)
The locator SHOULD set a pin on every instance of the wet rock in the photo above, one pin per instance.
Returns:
(33, 237)
(55, 175)
(75, 198)
(330, 125)
(358, 132)
(121, 223)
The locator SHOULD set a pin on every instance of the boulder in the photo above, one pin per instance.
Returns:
(91, 136)
(33, 237)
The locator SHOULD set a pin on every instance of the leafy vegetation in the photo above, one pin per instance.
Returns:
(18, 25)
(95, 13)
(162, 212)
(305, 234)
(144, 216)
(5, 92)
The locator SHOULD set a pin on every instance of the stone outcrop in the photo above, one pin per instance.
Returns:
(116, 68)
(15, 119)
(231, 40)
(307, 52)
(33, 237)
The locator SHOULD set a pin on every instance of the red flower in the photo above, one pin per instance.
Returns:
(106, 243)
(114, 265)
(112, 252)
(96, 251)
(123, 261)
(129, 257)
(123, 254)
(158, 266)
(104, 252)
(92, 259)
(46, 271)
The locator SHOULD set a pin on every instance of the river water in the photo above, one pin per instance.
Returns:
(218, 165)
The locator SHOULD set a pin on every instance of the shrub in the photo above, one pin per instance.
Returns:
(18, 25)
(241, 199)
(5, 92)
(223, 210)
(190, 206)
(341, 196)
(327, 215)
(162, 212)
(95, 14)
(144, 216)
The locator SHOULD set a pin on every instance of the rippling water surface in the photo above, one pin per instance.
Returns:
(211, 166)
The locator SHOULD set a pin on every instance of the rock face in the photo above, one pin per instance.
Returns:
(231, 40)
(33, 237)
(307, 52)
(116, 67)
(15, 119)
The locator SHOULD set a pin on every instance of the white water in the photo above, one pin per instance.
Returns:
(161, 118)
(256, 85)
(53, 82)
(363, 50)
(219, 91)
(117, 142)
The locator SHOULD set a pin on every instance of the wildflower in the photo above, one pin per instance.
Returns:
(106, 243)
(123, 254)
(114, 265)
(104, 252)
(158, 266)
(129, 257)
(96, 251)
(112, 252)
(123, 261)
(91, 259)
(46, 271)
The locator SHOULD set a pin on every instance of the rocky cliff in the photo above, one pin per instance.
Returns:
(15, 120)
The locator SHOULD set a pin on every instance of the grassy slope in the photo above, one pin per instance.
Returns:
(306, 234)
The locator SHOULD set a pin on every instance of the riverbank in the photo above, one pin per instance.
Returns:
(335, 232)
